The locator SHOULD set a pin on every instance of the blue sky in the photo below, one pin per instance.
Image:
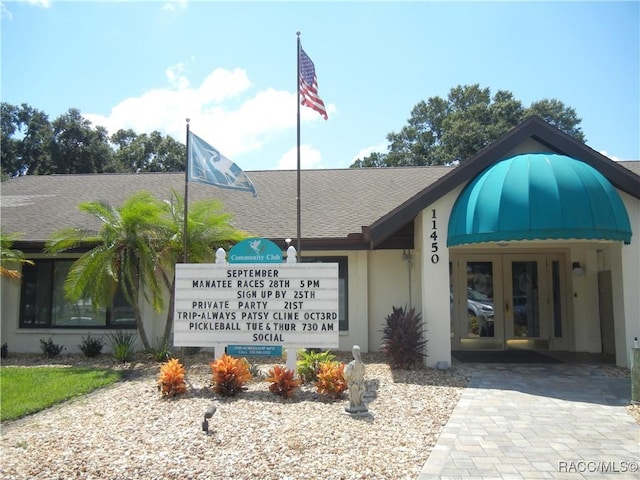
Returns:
(231, 68)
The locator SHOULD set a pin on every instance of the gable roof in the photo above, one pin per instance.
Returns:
(534, 128)
(358, 208)
(335, 204)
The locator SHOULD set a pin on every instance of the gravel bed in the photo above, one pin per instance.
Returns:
(128, 431)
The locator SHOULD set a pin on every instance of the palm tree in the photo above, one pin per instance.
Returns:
(125, 254)
(208, 228)
(10, 257)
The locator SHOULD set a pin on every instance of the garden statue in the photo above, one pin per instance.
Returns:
(354, 376)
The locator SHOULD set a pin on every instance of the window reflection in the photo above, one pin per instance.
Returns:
(480, 313)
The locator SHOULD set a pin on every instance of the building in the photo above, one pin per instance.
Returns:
(531, 243)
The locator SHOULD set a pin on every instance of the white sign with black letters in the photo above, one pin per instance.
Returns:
(294, 304)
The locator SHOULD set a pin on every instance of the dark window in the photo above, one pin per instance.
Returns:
(43, 304)
(343, 278)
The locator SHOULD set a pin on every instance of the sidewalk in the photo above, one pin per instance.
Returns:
(538, 421)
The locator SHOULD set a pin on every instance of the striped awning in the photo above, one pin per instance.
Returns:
(538, 196)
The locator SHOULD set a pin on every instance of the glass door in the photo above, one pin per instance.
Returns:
(478, 324)
(523, 309)
(505, 301)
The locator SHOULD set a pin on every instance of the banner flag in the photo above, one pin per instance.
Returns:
(208, 165)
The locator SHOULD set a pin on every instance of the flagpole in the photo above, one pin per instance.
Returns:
(185, 258)
(298, 145)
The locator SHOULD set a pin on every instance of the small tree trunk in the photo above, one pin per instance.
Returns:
(140, 325)
(172, 301)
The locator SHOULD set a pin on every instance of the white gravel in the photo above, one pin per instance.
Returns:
(128, 431)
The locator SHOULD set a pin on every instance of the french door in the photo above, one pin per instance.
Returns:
(508, 301)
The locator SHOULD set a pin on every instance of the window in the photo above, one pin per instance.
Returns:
(43, 304)
(343, 277)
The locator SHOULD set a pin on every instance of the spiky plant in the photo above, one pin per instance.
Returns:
(331, 380)
(282, 381)
(309, 364)
(402, 340)
(230, 375)
(11, 258)
(171, 378)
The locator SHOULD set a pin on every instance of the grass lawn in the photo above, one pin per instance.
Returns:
(26, 390)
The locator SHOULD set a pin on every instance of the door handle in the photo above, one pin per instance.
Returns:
(506, 308)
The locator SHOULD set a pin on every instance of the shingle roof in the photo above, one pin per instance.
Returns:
(334, 203)
(344, 208)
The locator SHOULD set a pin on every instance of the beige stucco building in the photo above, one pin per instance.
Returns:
(533, 243)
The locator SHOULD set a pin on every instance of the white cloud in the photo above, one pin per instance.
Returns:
(381, 147)
(6, 13)
(612, 157)
(175, 78)
(173, 5)
(222, 110)
(309, 158)
(40, 3)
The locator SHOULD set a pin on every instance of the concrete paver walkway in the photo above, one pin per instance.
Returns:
(538, 421)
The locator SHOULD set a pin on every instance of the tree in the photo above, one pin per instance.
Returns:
(10, 258)
(555, 113)
(136, 250)
(26, 140)
(208, 228)
(125, 254)
(77, 147)
(31, 145)
(448, 131)
(148, 153)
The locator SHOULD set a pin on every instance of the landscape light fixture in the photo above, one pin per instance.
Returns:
(207, 415)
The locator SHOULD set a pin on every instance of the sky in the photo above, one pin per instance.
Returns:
(231, 68)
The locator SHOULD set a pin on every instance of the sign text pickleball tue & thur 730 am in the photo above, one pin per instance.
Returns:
(289, 304)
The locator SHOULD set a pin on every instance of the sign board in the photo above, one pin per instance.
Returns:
(288, 304)
(254, 350)
(255, 250)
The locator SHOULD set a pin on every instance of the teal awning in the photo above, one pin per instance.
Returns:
(538, 196)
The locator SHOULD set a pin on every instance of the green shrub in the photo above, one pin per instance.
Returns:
(123, 345)
(309, 364)
(91, 346)
(161, 353)
(256, 372)
(402, 340)
(50, 349)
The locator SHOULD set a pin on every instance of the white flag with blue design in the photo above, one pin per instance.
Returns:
(208, 165)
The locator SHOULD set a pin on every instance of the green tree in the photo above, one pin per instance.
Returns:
(11, 258)
(26, 140)
(148, 153)
(555, 113)
(125, 254)
(208, 228)
(77, 147)
(447, 131)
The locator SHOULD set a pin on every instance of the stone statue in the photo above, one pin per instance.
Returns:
(354, 375)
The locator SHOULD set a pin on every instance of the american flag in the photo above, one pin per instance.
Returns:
(309, 85)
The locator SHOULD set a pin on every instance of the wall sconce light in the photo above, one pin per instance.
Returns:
(577, 269)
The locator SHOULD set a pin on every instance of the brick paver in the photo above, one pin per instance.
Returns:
(538, 421)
